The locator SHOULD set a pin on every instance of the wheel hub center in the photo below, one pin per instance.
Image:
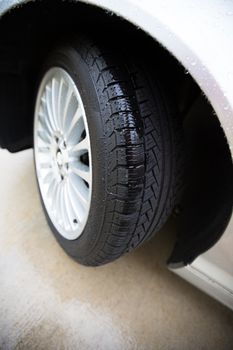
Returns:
(59, 158)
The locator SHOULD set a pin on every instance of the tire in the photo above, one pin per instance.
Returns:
(134, 146)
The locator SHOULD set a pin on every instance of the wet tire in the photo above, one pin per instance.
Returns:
(135, 144)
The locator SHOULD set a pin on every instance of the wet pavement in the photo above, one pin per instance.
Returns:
(48, 301)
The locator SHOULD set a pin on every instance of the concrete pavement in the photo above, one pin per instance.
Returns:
(48, 301)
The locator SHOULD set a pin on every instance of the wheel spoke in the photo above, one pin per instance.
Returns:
(68, 98)
(81, 170)
(57, 204)
(68, 207)
(74, 121)
(79, 191)
(59, 109)
(74, 212)
(44, 136)
(54, 98)
(80, 147)
(45, 124)
(77, 132)
(45, 165)
(52, 188)
(64, 208)
(45, 120)
(44, 150)
(49, 177)
(48, 97)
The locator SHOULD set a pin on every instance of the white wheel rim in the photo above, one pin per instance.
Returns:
(63, 153)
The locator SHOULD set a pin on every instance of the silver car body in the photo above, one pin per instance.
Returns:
(198, 33)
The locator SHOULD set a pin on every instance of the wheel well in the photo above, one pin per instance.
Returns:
(206, 203)
(30, 33)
